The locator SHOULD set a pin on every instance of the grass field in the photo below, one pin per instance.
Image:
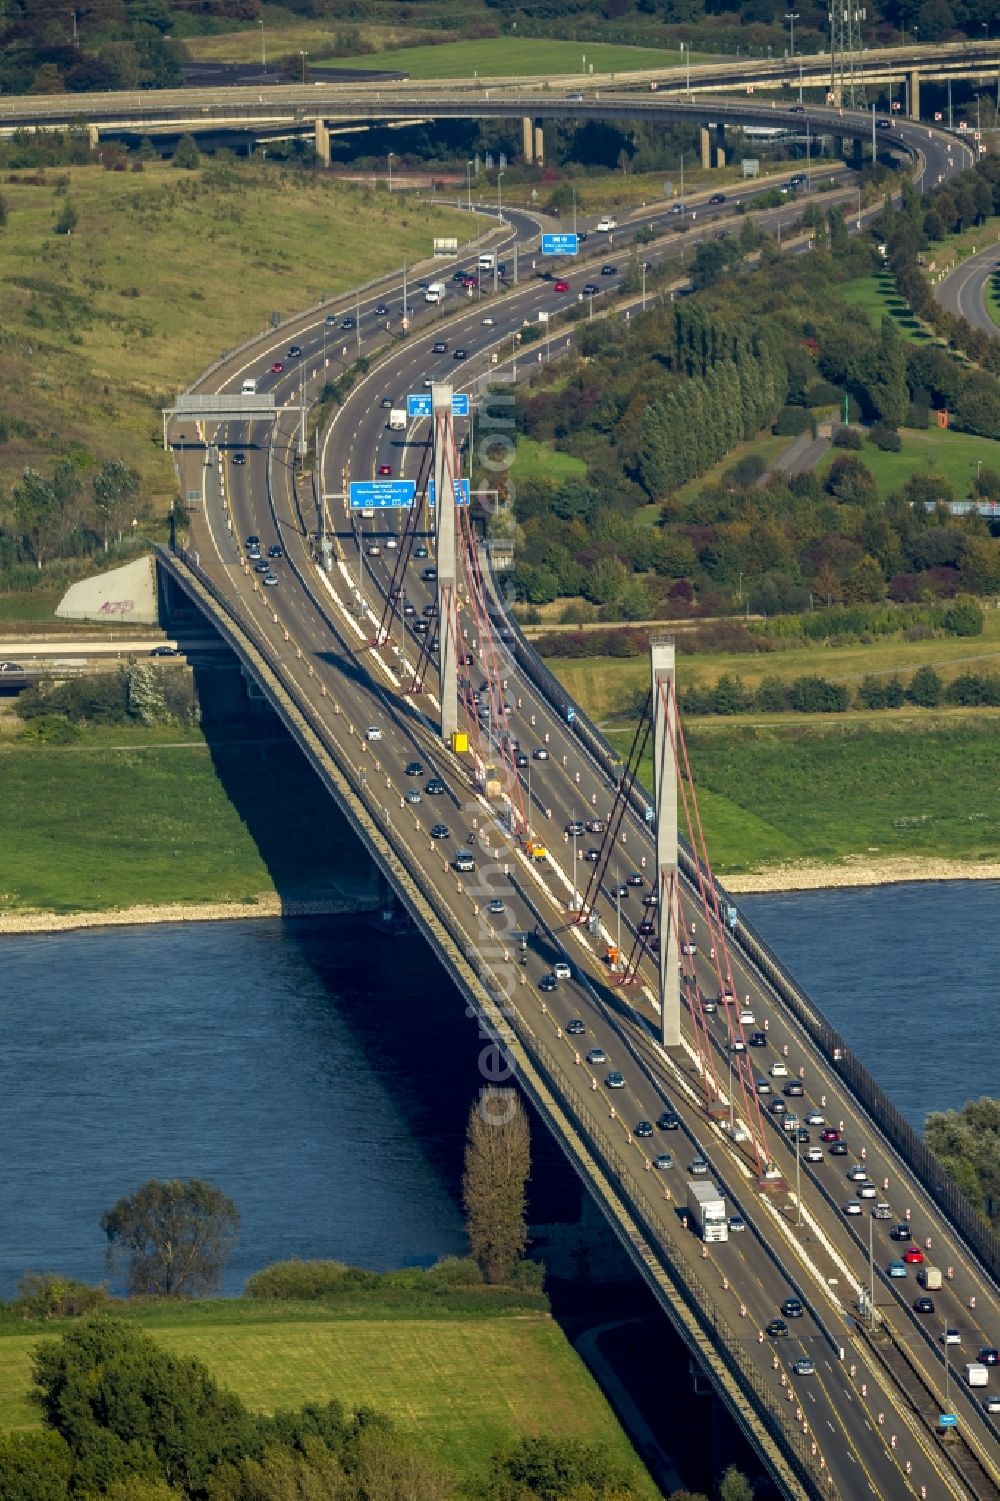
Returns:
(99, 331)
(606, 686)
(535, 460)
(461, 1384)
(129, 816)
(506, 57)
(877, 298)
(936, 451)
(910, 786)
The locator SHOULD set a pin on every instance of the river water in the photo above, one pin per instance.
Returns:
(321, 1074)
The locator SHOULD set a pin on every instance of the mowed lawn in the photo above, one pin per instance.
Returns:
(105, 325)
(462, 1385)
(934, 451)
(536, 460)
(820, 793)
(876, 296)
(506, 57)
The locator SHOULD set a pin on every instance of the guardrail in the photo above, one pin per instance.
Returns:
(977, 1234)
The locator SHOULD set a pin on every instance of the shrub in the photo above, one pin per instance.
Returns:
(455, 1271)
(306, 1280)
(49, 1295)
(846, 437)
(886, 438)
(924, 688)
(51, 729)
(815, 695)
(792, 421)
(974, 690)
(529, 1275)
(964, 617)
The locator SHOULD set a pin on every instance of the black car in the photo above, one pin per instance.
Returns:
(294, 350)
(757, 1039)
(415, 769)
(575, 1028)
(440, 347)
(802, 1136)
(793, 1088)
(989, 1355)
(792, 1308)
(883, 124)
(608, 270)
(429, 574)
(900, 1232)
(776, 1328)
(347, 322)
(548, 982)
(581, 236)
(435, 787)
(380, 312)
(647, 929)
(460, 354)
(635, 879)
(590, 289)
(717, 198)
(669, 1121)
(275, 550)
(239, 458)
(838, 1149)
(440, 831)
(644, 1128)
(386, 403)
(253, 541)
(520, 760)
(420, 627)
(923, 1304)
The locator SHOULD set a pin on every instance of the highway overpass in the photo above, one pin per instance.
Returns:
(865, 1420)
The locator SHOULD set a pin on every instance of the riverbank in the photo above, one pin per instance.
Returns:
(860, 870)
(267, 904)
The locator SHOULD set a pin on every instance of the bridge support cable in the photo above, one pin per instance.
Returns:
(618, 810)
(446, 472)
(393, 599)
(662, 691)
(672, 915)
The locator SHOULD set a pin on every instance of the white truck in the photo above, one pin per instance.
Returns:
(707, 1208)
(929, 1277)
(397, 420)
(487, 260)
(977, 1374)
(435, 292)
(606, 223)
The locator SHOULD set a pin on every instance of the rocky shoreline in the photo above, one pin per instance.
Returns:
(267, 904)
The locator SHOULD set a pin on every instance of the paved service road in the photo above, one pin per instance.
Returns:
(963, 291)
(854, 1415)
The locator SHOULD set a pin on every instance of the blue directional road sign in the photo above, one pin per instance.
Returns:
(381, 494)
(560, 244)
(419, 404)
(947, 1420)
(462, 495)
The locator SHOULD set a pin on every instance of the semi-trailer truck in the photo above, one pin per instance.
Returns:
(707, 1207)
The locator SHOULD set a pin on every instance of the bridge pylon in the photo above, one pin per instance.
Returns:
(445, 475)
(662, 667)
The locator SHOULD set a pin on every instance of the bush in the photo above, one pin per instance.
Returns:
(51, 729)
(49, 1295)
(973, 691)
(456, 1271)
(529, 1275)
(846, 437)
(815, 695)
(792, 421)
(885, 438)
(306, 1280)
(925, 688)
(964, 617)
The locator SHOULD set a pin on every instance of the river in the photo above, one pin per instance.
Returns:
(321, 1075)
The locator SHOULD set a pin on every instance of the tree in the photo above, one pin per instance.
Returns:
(3, 212)
(34, 1467)
(173, 1238)
(887, 388)
(925, 688)
(116, 497)
(187, 154)
(549, 1469)
(67, 220)
(497, 1164)
(964, 617)
(735, 1486)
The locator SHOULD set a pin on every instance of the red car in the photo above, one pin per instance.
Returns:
(277, 368)
(913, 1255)
(385, 469)
(830, 1134)
(561, 286)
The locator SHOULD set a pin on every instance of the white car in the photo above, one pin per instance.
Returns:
(747, 1017)
(778, 1070)
(562, 971)
(853, 1206)
(814, 1154)
(373, 550)
(373, 732)
(815, 1118)
(867, 1191)
(606, 224)
(489, 322)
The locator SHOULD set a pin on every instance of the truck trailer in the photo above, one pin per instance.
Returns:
(707, 1207)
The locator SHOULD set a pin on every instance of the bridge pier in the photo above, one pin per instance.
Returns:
(528, 139)
(445, 475)
(322, 140)
(539, 144)
(662, 659)
(913, 94)
(93, 136)
(705, 143)
(720, 144)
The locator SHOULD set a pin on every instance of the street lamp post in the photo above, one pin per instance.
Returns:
(574, 899)
(303, 56)
(263, 49)
(573, 190)
(791, 16)
(798, 1178)
(686, 50)
(389, 159)
(468, 183)
(500, 194)
(644, 286)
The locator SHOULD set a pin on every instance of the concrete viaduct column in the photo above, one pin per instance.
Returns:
(528, 138)
(322, 140)
(705, 142)
(913, 95)
(93, 136)
(720, 144)
(445, 553)
(539, 143)
(665, 807)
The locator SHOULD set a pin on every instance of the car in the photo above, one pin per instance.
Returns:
(373, 732)
(440, 831)
(804, 1366)
(900, 1232)
(635, 879)
(380, 311)
(276, 550)
(460, 354)
(736, 1045)
(663, 1160)
(574, 827)
(698, 1167)
(802, 1136)
(737, 1224)
(763, 1086)
(646, 928)
(792, 1308)
(606, 223)
(709, 1006)
(717, 198)
(489, 322)
(923, 1304)
(778, 1070)
(897, 1269)
(669, 1120)
(793, 1088)
(270, 579)
(759, 1040)
(838, 1149)
(387, 403)
(989, 1355)
(615, 1080)
(575, 1028)
(253, 540)
(496, 906)
(420, 551)
(384, 470)
(441, 347)
(913, 1256)
(676, 208)
(548, 982)
(592, 855)
(420, 627)
(330, 320)
(857, 1175)
(414, 769)
(562, 970)
(883, 124)
(623, 891)
(777, 1107)
(540, 754)
(643, 1129)
(853, 1206)
(429, 611)
(277, 367)
(12, 668)
(429, 574)
(991, 1403)
(391, 544)
(560, 286)
(814, 1154)
(597, 1055)
(867, 1191)
(520, 760)
(374, 550)
(293, 351)
(591, 289)
(408, 609)
(413, 795)
(777, 1328)
(463, 862)
(815, 1118)
(158, 651)
(830, 1134)
(596, 826)
(881, 1212)
(347, 322)
(608, 270)
(796, 109)
(950, 1336)
(747, 1019)
(688, 947)
(435, 787)
(238, 458)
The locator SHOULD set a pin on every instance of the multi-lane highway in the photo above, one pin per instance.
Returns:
(963, 291)
(859, 1417)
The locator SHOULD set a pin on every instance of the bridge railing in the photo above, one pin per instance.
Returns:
(976, 1232)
